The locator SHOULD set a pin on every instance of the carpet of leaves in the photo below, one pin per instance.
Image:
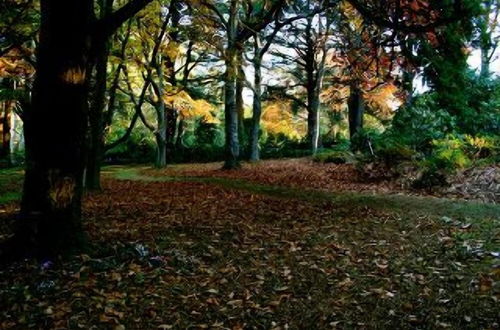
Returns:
(480, 184)
(194, 255)
(297, 172)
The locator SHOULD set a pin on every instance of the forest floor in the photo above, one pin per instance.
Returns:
(195, 247)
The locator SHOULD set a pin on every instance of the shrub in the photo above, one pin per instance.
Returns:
(448, 154)
(481, 147)
(335, 157)
(391, 150)
(422, 122)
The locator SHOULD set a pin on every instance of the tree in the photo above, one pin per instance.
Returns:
(243, 21)
(367, 60)
(261, 44)
(157, 54)
(310, 40)
(95, 151)
(56, 124)
(487, 34)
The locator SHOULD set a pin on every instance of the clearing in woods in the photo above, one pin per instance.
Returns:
(192, 246)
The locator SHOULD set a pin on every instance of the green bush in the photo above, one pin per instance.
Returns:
(483, 117)
(140, 147)
(419, 124)
(455, 151)
(386, 147)
(390, 150)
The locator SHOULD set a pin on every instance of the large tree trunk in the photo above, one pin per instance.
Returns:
(257, 109)
(231, 117)
(356, 111)
(54, 129)
(172, 114)
(314, 78)
(160, 135)
(231, 111)
(170, 131)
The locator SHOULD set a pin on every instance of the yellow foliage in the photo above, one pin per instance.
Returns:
(171, 50)
(355, 19)
(478, 142)
(277, 119)
(13, 64)
(190, 108)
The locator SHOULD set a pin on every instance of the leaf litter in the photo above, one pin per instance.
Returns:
(194, 255)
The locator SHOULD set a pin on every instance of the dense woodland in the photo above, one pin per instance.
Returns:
(103, 98)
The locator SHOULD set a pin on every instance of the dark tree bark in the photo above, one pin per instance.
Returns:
(99, 120)
(231, 115)
(54, 128)
(171, 129)
(161, 152)
(158, 83)
(356, 111)
(161, 118)
(485, 62)
(55, 124)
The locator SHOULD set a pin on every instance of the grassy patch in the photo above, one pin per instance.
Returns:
(11, 181)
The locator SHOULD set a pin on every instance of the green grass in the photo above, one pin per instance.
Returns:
(11, 180)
